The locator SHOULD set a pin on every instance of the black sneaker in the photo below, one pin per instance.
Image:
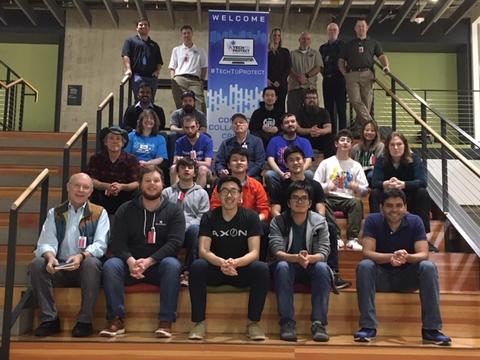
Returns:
(435, 337)
(82, 329)
(340, 283)
(288, 332)
(48, 328)
(432, 248)
(319, 333)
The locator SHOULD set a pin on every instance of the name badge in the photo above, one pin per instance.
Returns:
(82, 242)
(151, 236)
(193, 155)
(360, 49)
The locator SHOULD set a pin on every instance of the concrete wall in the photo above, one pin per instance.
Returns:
(92, 54)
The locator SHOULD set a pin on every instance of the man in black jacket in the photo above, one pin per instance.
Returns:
(147, 235)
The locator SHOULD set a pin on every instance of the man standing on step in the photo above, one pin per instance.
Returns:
(396, 250)
(147, 235)
(74, 235)
(229, 248)
(299, 241)
(142, 59)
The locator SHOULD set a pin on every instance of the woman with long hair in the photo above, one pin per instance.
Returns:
(145, 142)
(369, 149)
(400, 168)
(279, 64)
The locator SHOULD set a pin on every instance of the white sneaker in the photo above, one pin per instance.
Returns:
(340, 244)
(354, 245)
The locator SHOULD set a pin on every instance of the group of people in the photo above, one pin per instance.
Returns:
(245, 234)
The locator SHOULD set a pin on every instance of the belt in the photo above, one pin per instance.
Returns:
(189, 76)
(359, 69)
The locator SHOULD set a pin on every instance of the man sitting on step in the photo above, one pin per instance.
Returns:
(73, 239)
(396, 250)
(147, 235)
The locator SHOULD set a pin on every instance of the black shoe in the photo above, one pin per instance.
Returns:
(48, 328)
(340, 283)
(319, 333)
(82, 329)
(432, 248)
(288, 332)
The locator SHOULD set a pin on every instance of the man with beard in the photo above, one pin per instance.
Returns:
(275, 149)
(144, 102)
(306, 64)
(176, 121)
(196, 146)
(334, 92)
(229, 247)
(265, 122)
(146, 237)
(141, 58)
(194, 201)
(314, 123)
(241, 139)
(114, 172)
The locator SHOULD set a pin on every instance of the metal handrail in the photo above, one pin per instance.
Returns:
(20, 81)
(121, 95)
(10, 317)
(427, 106)
(83, 132)
(109, 100)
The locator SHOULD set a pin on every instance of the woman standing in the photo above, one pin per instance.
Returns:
(399, 168)
(279, 64)
(369, 149)
(145, 142)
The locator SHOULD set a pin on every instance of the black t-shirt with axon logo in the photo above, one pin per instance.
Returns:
(230, 239)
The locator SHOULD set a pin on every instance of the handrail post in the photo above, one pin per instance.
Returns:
(22, 106)
(110, 112)
(43, 204)
(9, 281)
(423, 115)
(83, 149)
(394, 106)
(66, 168)
(130, 91)
(99, 128)
(121, 99)
(443, 132)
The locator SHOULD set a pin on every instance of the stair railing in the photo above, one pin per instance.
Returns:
(107, 101)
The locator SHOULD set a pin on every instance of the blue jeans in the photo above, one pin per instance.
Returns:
(317, 275)
(423, 275)
(191, 244)
(273, 181)
(166, 274)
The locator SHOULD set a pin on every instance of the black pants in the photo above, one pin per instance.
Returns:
(418, 203)
(335, 98)
(255, 275)
(332, 259)
(324, 143)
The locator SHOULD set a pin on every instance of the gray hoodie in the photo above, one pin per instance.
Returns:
(317, 237)
(194, 204)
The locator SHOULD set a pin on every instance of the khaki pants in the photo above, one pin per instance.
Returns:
(360, 94)
(181, 84)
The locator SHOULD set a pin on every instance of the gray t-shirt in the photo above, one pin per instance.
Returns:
(359, 53)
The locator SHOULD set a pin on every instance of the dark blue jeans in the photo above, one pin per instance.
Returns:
(166, 274)
(317, 275)
(423, 275)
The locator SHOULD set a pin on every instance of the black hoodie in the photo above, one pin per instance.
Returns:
(132, 223)
(262, 116)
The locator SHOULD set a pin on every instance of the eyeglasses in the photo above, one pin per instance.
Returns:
(299, 199)
(81, 187)
(226, 192)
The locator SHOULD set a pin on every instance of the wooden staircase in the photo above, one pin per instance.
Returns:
(24, 155)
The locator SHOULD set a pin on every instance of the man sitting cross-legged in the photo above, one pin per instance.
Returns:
(229, 247)
(299, 241)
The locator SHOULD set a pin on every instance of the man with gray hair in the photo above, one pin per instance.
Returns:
(72, 241)
(306, 64)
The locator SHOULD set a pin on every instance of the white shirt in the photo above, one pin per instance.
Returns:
(48, 237)
(188, 61)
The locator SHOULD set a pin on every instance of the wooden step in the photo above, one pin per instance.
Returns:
(41, 139)
(45, 157)
(8, 194)
(23, 175)
(398, 314)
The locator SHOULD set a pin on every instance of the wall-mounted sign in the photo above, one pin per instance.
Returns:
(74, 95)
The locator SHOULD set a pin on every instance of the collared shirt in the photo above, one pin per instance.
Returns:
(69, 246)
(330, 52)
(188, 60)
(144, 56)
(124, 170)
(302, 62)
(359, 53)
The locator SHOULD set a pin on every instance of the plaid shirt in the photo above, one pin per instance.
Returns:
(124, 170)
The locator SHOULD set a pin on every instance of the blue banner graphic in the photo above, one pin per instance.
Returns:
(237, 67)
